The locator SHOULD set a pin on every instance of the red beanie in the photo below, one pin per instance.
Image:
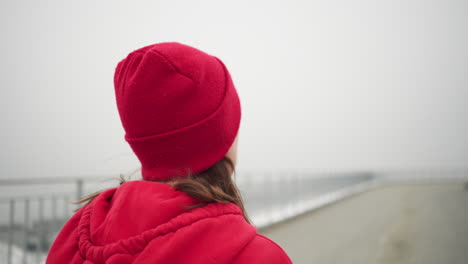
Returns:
(179, 108)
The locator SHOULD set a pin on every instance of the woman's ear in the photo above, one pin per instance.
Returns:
(232, 153)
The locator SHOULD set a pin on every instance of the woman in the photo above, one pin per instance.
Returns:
(181, 115)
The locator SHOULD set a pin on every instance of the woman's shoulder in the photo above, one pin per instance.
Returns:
(263, 250)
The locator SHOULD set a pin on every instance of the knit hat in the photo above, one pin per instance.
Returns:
(179, 108)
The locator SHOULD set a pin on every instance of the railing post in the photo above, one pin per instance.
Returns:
(41, 231)
(11, 232)
(26, 233)
(290, 187)
(271, 189)
(54, 209)
(79, 189)
(65, 207)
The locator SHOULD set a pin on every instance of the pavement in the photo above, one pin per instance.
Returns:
(413, 223)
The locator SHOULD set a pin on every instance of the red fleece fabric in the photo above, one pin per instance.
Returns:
(179, 108)
(149, 222)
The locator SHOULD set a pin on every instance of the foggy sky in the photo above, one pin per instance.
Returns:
(325, 85)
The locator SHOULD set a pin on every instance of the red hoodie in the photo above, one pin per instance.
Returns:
(147, 222)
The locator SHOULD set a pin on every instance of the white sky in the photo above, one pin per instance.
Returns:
(326, 85)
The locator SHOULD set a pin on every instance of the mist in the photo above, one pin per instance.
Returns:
(324, 85)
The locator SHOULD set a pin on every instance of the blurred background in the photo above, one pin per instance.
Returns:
(363, 100)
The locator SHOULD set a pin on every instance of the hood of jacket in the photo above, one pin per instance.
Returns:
(149, 222)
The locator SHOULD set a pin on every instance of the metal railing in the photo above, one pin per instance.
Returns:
(32, 234)
(36, 209)
(33, 211)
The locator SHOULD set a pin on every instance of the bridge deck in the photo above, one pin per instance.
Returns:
(394, 224)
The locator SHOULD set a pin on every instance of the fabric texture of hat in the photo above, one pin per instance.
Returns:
(179, 108)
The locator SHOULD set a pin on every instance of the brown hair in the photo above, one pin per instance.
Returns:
(213, 185)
